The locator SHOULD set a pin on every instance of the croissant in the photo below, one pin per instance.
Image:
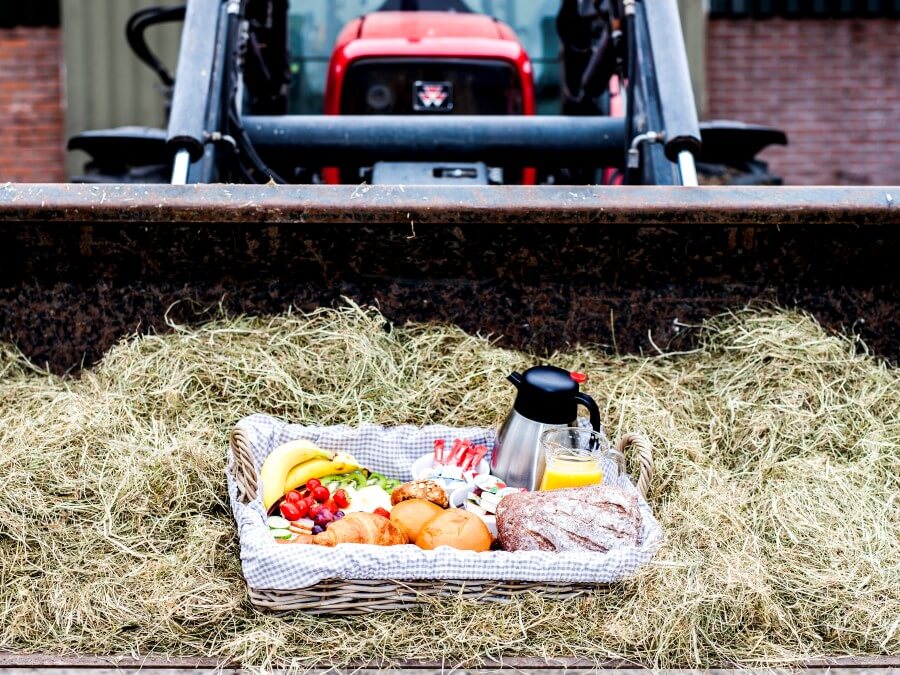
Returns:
(357, 528)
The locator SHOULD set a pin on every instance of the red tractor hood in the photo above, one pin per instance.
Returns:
(425, 35)
(434, 33)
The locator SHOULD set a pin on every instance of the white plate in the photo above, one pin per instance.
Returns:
(423, 465)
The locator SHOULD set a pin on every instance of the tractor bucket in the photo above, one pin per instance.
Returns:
(536, 267)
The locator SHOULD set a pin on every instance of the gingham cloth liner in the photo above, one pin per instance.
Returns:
(391, 450)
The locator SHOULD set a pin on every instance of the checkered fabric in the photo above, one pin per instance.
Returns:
(391, 451)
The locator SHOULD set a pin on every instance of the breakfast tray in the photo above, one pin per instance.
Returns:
(357, 578)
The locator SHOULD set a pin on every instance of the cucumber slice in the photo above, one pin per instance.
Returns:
(282, 534)
(278, 523)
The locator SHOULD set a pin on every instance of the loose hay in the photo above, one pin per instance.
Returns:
(778, 454)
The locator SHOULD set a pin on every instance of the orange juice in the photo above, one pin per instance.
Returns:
(563, 471)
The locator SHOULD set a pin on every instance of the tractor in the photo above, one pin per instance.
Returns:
(428, 91)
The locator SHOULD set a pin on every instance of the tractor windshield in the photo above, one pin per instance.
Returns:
(315, 24)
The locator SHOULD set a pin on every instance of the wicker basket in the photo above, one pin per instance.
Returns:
(339, 596)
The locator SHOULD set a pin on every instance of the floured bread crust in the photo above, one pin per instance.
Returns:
(596, 518)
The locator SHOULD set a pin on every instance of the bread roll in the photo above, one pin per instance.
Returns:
(421, 489)
(412, 514)
(595, 518)
(456, 528)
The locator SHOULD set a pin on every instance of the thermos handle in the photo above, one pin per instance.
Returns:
(591, 405)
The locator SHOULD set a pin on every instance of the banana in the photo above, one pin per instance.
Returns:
(281, 460)
(300, 474)
(316, 468)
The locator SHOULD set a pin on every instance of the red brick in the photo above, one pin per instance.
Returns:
(832, 85)
(31, 106)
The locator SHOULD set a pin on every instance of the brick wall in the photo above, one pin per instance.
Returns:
(832, 85)
(31, 108)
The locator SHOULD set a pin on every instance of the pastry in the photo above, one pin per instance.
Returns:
(421, 489)
(357, 528)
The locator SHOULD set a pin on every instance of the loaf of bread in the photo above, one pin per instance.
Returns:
(596, 518)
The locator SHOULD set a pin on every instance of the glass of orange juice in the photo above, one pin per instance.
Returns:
(572, 457)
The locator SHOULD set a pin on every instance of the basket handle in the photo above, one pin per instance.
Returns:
(243, 467)
(645, 454)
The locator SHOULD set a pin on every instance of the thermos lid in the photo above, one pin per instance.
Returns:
(547, 394)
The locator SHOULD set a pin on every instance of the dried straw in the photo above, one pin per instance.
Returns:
(778, 452)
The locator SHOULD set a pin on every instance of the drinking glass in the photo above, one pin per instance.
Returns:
(573, 457)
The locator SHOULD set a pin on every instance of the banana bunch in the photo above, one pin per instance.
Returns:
(293, 463)
(317, 468)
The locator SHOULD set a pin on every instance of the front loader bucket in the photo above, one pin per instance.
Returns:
(539, 267)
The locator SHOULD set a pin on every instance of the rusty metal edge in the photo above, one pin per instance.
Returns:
(14, 660)
(380, 204)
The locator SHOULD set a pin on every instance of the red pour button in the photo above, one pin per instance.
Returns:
(580, 378)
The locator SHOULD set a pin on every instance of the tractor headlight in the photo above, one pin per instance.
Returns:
(379, 98)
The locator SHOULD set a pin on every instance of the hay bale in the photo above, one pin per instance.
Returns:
(778, 461)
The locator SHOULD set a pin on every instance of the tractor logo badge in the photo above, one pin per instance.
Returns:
(433, 96)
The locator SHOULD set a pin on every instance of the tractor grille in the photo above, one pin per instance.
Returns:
(389, 86)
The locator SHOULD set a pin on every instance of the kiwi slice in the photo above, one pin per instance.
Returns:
(357, 479)
(382, 481)
(333, 478)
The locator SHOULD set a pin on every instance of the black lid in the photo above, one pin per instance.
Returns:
(546, 395)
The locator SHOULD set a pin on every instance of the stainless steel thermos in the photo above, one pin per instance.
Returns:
(547, 397)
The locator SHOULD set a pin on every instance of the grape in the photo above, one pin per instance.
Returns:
(317, 529)
(339, 515)
(324, 517)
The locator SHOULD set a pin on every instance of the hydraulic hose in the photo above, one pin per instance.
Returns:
(631, 76)
(244, 145)
(134, 33)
